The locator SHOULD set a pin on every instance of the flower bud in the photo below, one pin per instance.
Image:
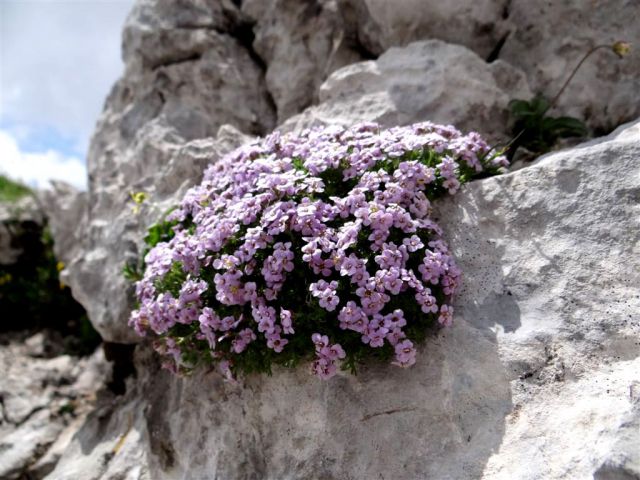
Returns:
(621, 49)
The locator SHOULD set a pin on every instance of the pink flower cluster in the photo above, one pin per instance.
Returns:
(326, 355)
(336, 219)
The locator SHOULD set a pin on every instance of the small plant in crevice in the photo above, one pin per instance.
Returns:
(315, 246)
(535, 130)
(538, 132)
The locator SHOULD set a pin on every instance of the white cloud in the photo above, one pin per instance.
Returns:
(37, 168)
(58, 61)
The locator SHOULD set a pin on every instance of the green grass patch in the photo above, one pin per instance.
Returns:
(11, 191)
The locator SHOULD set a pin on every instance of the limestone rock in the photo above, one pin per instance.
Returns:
(550, 255)
(110, 445)
(301, 43)
(544, 39)
(380, 24)
(543, 358)
(65, 208)
(188, 66)
(19, 447)
(47, 462)
(43, 402)
(158, 30)
(541, 362)
(548, 39)
(429, 80)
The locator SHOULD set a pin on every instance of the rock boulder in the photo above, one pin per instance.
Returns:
(429, 80)
(541, 362)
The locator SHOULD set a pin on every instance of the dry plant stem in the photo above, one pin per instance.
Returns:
(573, 73)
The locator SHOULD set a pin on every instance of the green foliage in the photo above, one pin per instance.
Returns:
(67, 408)
(536, 131)
(131, 271)
(160, 232)
(11, 191)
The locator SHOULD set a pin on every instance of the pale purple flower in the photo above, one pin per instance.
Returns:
(191, 291)
(320, 341)
(426, 301)
(395, 335)
(446, 316)
(413, 243)
(323, 368)
(244, 338)
(209, 318)
(395, 319)
(275, 341)
(209, 335)
(326, 294)
(227, 323)
(285, 321)
(405, 353)
(332, 352)
(374, 336)
(391, 256)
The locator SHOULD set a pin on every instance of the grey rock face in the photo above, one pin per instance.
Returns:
(381, 24)
(188, 66)
(66, 210)
(541, 362)
(431, 80)
(22, 446)
(550, 260)
(43, 402)
(545, 39)
(548, 39)
(152, 23)
(543, 358)
(301, 44)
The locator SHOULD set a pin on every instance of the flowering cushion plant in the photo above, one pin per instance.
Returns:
(318, 245)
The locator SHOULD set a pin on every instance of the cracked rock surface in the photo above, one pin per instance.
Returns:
(380, 24)
(44, 397)
(301, 43)
(601, 94)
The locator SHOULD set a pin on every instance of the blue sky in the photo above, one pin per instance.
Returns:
(58, 61)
